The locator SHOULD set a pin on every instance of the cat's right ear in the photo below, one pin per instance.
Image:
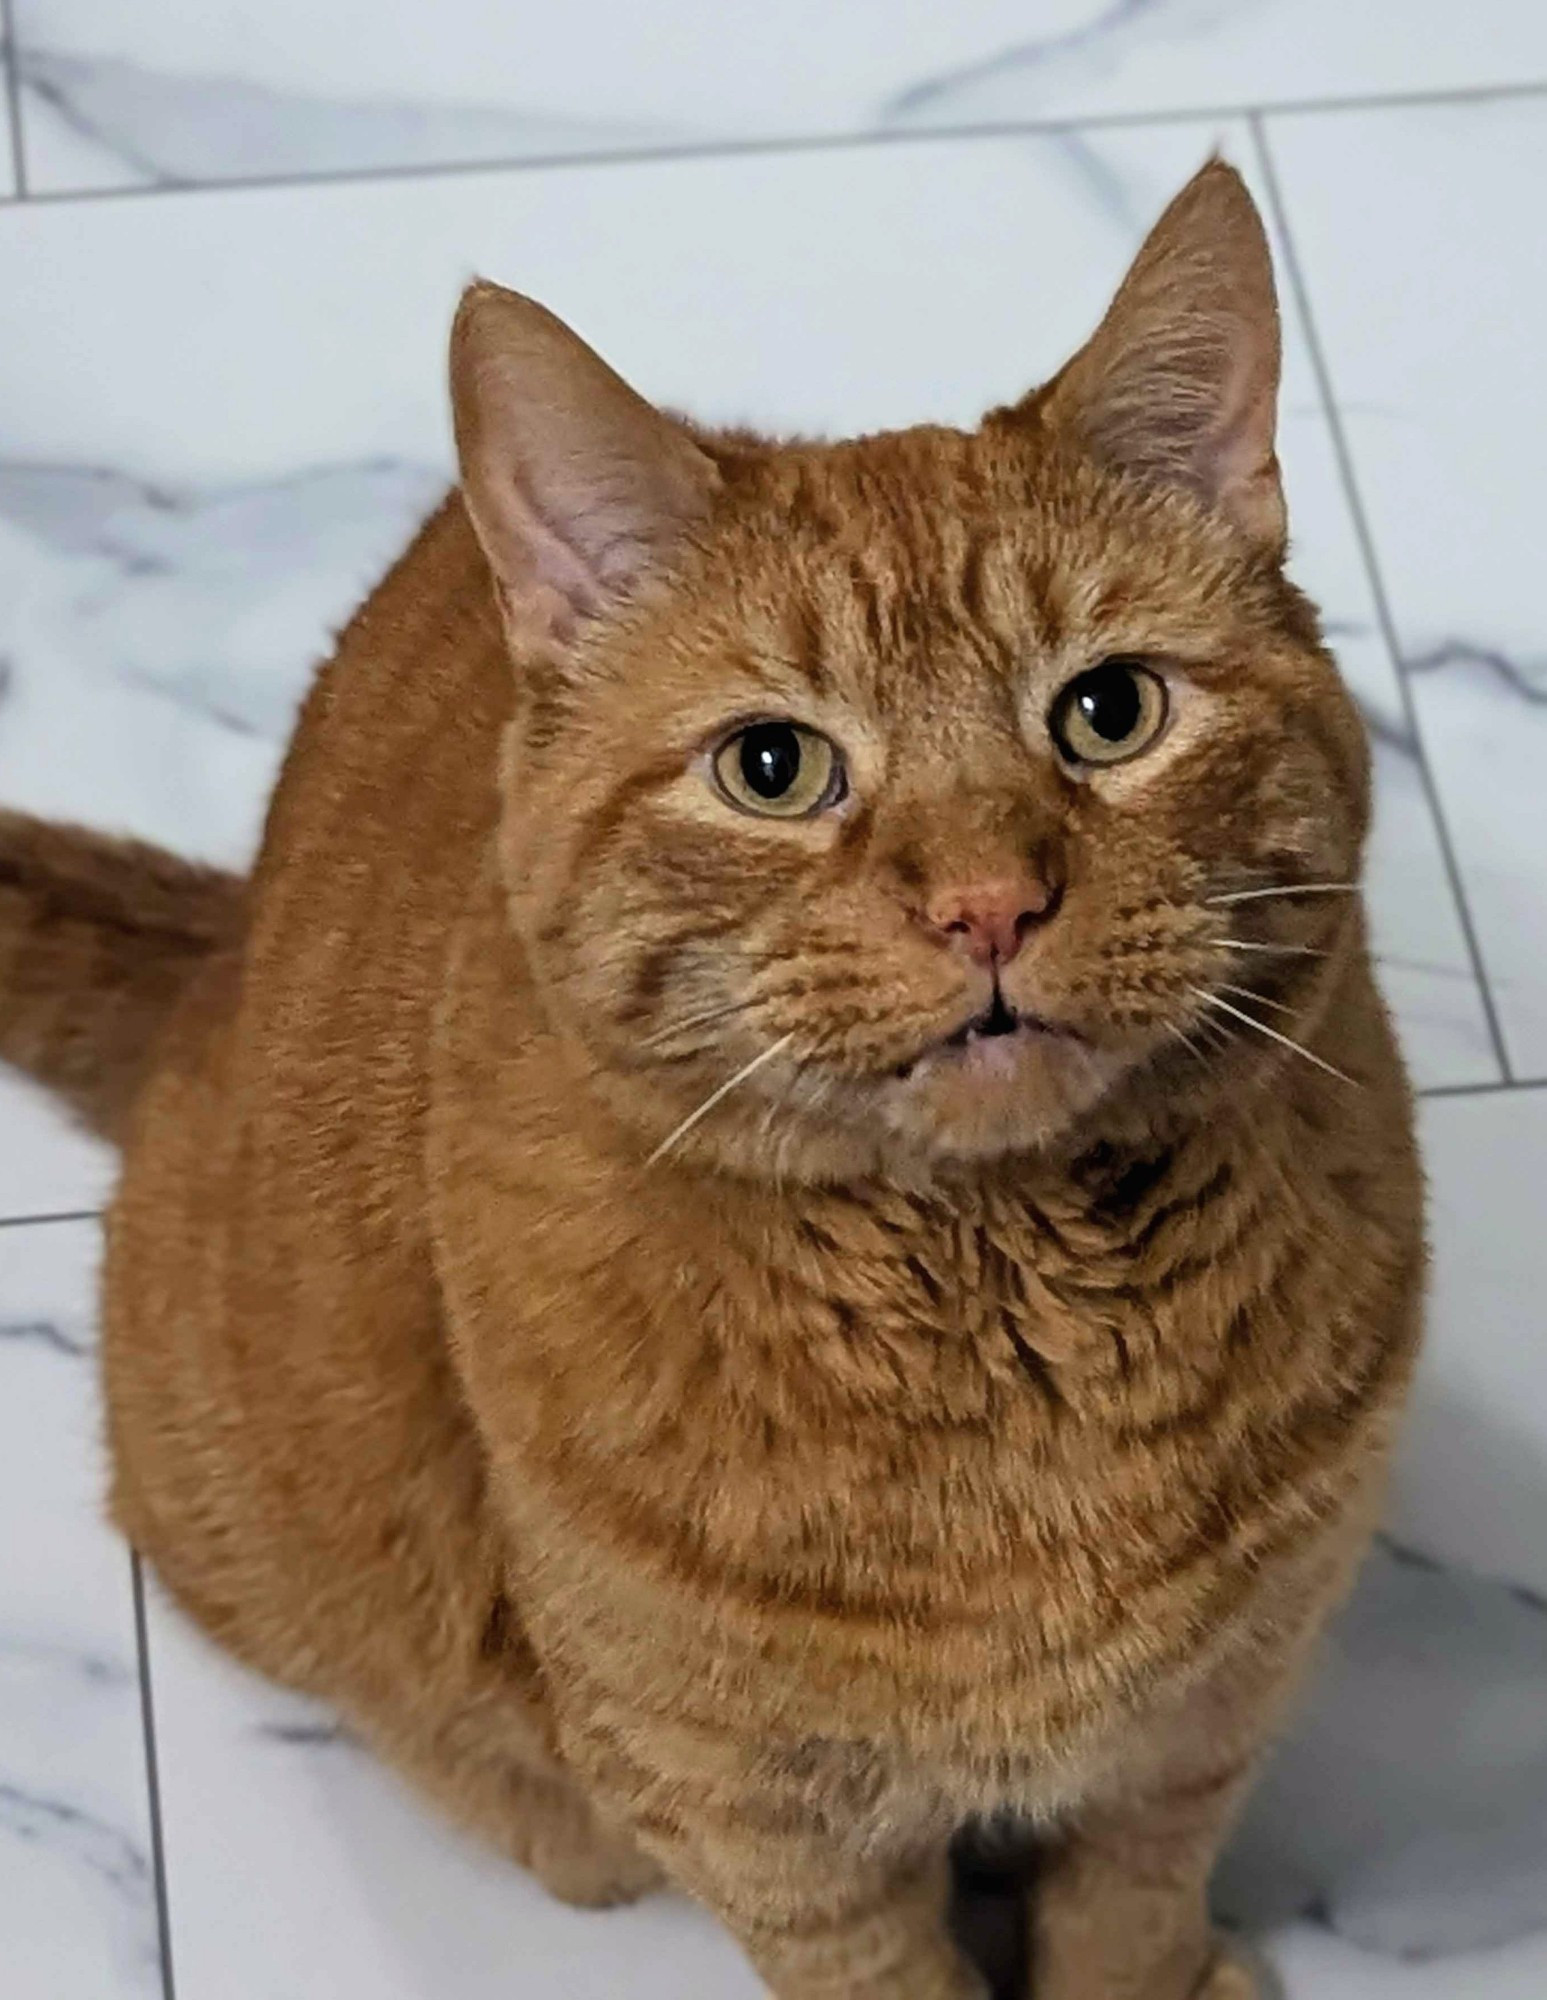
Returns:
(1178, 386)
(576, 486)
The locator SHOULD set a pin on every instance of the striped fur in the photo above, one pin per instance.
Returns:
(900, 1447)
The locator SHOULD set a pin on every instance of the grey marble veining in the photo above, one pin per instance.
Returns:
(157, 637)
(1525, 678)
(1429, 309)
(88, 1844)
(44, 1333)
(1092, 171)
(1093, 43)
(78, 1912)
(216, 598)
(130, 123)
(1483, 711)
(1111, 56)
(305, 1735)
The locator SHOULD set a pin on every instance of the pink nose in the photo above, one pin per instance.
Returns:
(989, 919)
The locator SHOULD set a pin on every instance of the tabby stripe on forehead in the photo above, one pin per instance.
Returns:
(867, 596)
(969, 579)
(810, 645)
(544, 711)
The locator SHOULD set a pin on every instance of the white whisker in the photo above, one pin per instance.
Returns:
(1278, 950)
(1285, 889)
(692, 1021)
(1273, 1035)
(1251, 993)
(717, 1096)
(1220, 1033)
(1186, 1040)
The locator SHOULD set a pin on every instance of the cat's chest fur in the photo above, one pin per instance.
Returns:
(969, 1470)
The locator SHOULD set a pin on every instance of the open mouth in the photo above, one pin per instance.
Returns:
(995, 1022)
(998, 1018)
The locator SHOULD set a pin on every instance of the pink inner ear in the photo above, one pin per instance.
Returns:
(576, 485)
(540, 571)
(1179, 383)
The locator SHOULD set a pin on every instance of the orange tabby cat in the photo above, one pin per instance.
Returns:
(712, 1249)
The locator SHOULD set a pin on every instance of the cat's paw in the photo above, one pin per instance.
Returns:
(577, 1859)
(594, 1875)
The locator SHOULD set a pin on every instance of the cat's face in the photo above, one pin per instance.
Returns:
(925, 719)
(910, 781)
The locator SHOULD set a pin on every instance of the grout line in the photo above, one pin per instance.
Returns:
(1521, 1084)
(9, 48)
(815, 142)
(1366, 541)
(58, 1215)
(152, 1777)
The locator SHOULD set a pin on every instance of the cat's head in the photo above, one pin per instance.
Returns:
(924, 782)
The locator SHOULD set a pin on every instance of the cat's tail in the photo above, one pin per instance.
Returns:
(98, 938)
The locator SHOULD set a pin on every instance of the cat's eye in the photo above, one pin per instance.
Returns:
(1109, 713)
(780, 770)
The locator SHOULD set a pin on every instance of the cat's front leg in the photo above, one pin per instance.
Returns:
(819, 1923)
(827, 1904)
(1120, 1910)
(1121, 1907)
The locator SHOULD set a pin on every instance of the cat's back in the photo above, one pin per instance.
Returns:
(270, 1307)
(318, 1019)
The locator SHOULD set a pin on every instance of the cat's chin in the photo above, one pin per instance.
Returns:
(980, 1095)
(990, 1055)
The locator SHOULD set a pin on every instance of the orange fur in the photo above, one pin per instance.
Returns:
(917, 1436)
(98, 939)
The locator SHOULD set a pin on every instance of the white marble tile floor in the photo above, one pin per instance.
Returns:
(10, 122)
(167, 93)
(221, 413)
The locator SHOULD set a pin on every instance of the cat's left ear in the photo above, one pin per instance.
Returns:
(577, 487)
(1179, 383)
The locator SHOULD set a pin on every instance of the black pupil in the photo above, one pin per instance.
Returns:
(1110, 701)
(770, 759)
